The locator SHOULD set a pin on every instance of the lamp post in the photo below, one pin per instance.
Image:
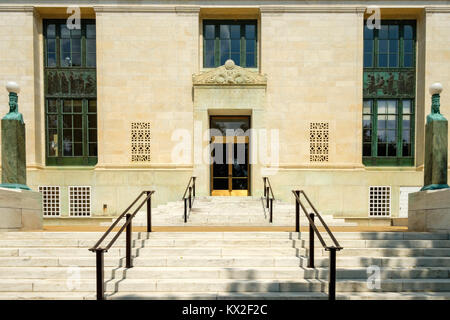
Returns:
(14, 173)
(436, 144)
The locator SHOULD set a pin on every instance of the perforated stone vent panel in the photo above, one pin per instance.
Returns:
(80, 201)
(319, 137)
(379, 201)
(140, 142)
(50, 201)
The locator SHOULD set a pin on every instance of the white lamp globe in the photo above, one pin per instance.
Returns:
(435, 88)
(12, 86)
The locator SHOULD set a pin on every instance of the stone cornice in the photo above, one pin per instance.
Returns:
(437, 9)
(16, 8)
(310, 9)
(134, 9)
(229, 75)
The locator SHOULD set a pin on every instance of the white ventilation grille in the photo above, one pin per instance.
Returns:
(79, 201)
(318, 141)
(50, 201)
(140, 142)
(379, 201)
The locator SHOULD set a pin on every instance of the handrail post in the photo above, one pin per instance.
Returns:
(185, 210)
(267, 197)
(190, 201)
(265, 190)
(271, 210)
(193, 186)
(149, 212)
(297, 212)
(332, 275)
(311, 243)
(99, 253)
(128, 242)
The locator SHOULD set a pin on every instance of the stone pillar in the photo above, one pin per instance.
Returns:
(14, 173)
(436, 145)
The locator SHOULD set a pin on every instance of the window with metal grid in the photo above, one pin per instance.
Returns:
(50, 201)
(379, 201)
(80, 201)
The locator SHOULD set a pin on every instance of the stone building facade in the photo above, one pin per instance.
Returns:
(120, 105)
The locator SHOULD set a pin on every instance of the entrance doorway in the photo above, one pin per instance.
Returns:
(230, 168)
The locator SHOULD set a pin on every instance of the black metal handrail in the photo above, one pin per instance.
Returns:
(313, 229)
(99, 251)
(268, 192)
(189, 200)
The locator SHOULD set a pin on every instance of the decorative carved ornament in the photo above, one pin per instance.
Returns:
(229, 74)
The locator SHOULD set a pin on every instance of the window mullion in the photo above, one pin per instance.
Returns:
(375, 128)
(400, 128)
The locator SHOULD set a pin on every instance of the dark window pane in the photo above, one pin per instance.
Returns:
(381, 122)
(406, 136)
(240, 184)
(250, 31)
(90, 45)
(368, 60)
(250, 46)
(77, 121)
(67, 135)
(90, 30)
(368, 45)
(51, 106)
(92, 135)
(51, 31)
(391, 136)
(51, 59)
(392, 150)
(67, 106)
(381, 136)
(408, 46)
(367, 106)
(91, 60)
(78, 135)
(65, 45)
(368, 33)
(407, 150)
(393, 46)
(236, 46)
(77, 149)
(393, 60)
(52, 121)
(235, 31)
(92, 149)
(383, 32)
(382, 60)
(367, 151)
(250, 60)
(209, 54)
(64, 32)
(224, 51)
(236, 57)
(406, 122)
(66, 60)
(52, 150)
(92, 106)
(76, 60)
(381, 150)
(67, 121)
(77, 106)
(408, 32)
(408, 60)
(210, 31)
(393, 32)
(76, 45)
(51, 45)
(67, 147)
(383, 46)
(367, 135)
(391, 122)
(224, 32)
(367, 124)
(92, 119)
(75, 33)
(220, 184)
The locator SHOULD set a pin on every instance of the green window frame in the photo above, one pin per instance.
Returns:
(230, 39)
(70, 93)
(389, 94)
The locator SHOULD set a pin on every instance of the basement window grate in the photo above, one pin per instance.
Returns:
(80, 201)
(50, 201)
(140, 142)
(318, 141)
(379, 201)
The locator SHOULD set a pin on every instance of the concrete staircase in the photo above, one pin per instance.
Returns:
(228, 211)
(224, 265)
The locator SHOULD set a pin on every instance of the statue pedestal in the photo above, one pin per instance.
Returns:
(14, 172)
(435, 174)
(429, 211)
(20, 210)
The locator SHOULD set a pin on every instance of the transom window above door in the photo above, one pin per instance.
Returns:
(229, 39)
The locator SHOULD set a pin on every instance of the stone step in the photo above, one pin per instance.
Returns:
(20, 295)
(53, 272)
